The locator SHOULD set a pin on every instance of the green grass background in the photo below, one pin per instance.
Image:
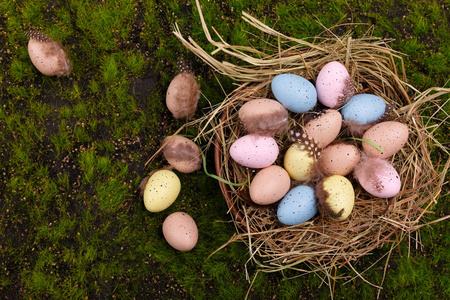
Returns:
(73, 151)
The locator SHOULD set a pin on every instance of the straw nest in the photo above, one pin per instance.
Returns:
(321, 245)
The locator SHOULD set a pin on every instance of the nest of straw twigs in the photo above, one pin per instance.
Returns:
(322, 245)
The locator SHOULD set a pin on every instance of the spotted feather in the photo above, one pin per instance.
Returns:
(297, 136)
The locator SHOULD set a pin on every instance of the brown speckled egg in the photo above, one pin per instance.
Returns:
(182, 153)
(269, 185)
(180, 231)
(325, 128)
(183, 92)
(339, 158)
(389, 135)
(264, 117)
(48, 56)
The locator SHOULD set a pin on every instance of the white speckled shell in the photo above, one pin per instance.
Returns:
(49, 57)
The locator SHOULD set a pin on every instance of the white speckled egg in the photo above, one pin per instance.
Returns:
(389, 135)
(297, 206)
(363, 109)
(298, 162)
(180, 231)
(377, 177)
(269, 185)
(254, 151)
(161, 189)
(325, 128)
(48, 56)
(336, 197)
(264, 117)
(295, 92)
(339, 159)
(334, 85)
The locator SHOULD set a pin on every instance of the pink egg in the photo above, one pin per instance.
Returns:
(389, 135)
(325, 128)
(269, 185)
(180, 231)
(334, 85)
(377, 177)
(254, 151)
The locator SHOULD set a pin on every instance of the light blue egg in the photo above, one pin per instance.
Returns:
(363, 109)
(296, 93)
(297, 206)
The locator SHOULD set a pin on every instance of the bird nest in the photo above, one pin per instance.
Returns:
(322, 244)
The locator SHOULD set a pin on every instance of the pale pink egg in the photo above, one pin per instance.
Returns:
(334, 85)
(180, 231)
(269, 185)
(254, 151)
(391, 136)
(377, 177)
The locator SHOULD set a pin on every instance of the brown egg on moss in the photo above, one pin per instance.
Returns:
(182, 153)
(183, 93)
(48, 56)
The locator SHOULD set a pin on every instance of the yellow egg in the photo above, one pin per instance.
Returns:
(161, 190)
(298, 162)
(336, 197)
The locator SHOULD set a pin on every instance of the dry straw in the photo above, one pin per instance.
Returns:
(321, 246)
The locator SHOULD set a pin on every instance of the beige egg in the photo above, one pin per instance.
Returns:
(339, 159)
(298, 162)
(264, 117)
(180, 231)
(182, 153)
(269, 185)
(336, 197)
(182, 95)
(325, 128)
(48, 56)
(389, 135)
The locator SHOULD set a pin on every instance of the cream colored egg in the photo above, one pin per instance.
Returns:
(389, 135)
(269, 185)
(339, 159)
(161, 190)
(336, 197)
(325, 128)
(180, 231)
(298, 162)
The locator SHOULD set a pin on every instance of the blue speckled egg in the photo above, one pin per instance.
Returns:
(363, 109)
(297, 206)
(296, 93)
